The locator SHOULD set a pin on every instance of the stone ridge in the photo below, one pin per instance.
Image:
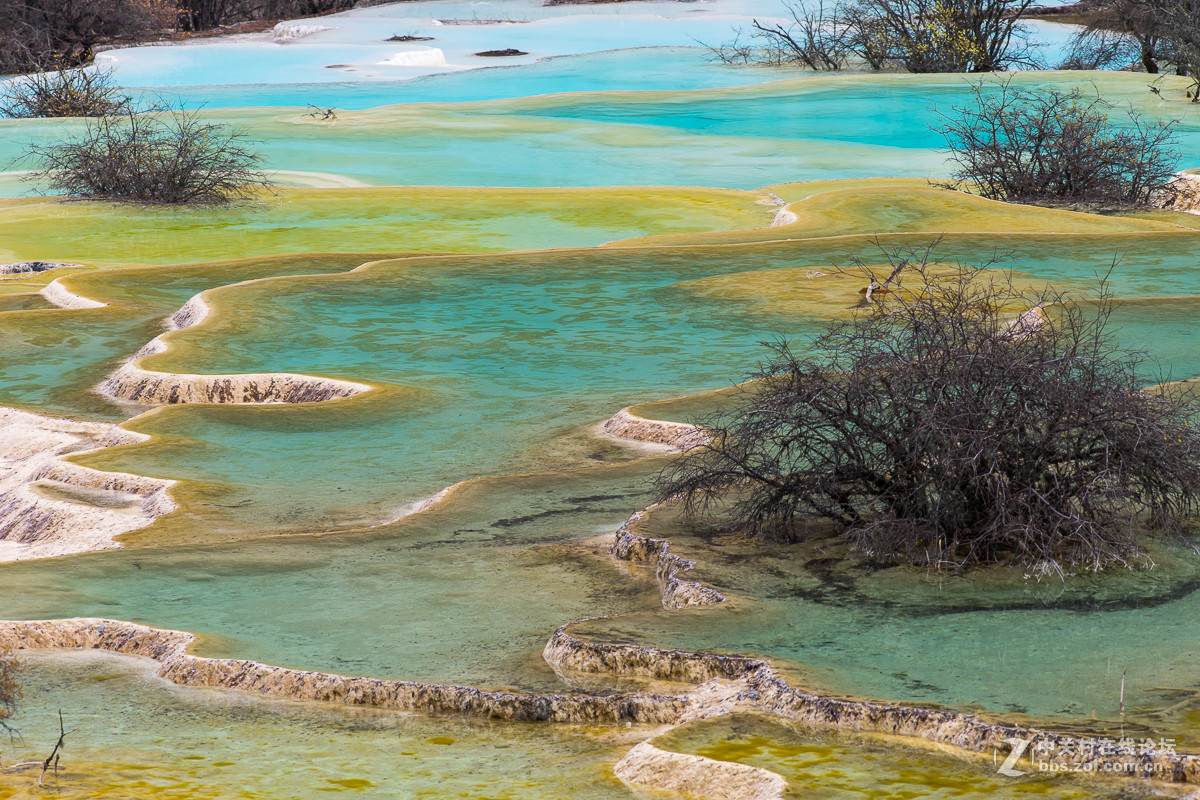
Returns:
(52, 507)
(679, 435)
(766, 693)
(676, 593)
(169, 648)
(133, 384)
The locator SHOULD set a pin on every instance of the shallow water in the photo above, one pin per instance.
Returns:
(805, 129)
(202, 743)
(187, 744)
(642, 45)
(819, 766)
(515, 387)
(488, 374)
(365, 220)
(1051, 651)
(493, 365)
(467, 594)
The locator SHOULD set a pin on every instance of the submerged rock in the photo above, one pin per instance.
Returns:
(680, 435)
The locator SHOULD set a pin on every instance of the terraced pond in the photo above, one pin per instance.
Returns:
(449, 335)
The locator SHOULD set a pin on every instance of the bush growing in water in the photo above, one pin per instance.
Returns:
(168, 157)
(62, 93)
(10, 686)
(942, 426)
(1053, 146)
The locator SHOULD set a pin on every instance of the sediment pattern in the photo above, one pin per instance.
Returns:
(51, 507)
(680, 435)
(60, 296)
(646, 766)
(169, 648)
(676, 593)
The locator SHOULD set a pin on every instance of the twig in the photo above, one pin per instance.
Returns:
(53, 757)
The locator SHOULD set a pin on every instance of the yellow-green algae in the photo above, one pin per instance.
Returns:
(50, 358)
(818, 766)
(900, 207)
(395, 219)
(193, 744)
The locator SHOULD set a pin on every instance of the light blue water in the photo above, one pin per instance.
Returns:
(658, 68)
(807, 129)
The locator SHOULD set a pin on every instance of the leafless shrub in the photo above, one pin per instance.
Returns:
(322, 114)
(35, 32)
(62, 92)
(742, 49)
(1135, 19)
(199, 15)
(1098, 48)
(819, 39)
(918, 35)
(938, 426)
(1052, 146)
(170, 157)
(1177, 24)
(10, 685)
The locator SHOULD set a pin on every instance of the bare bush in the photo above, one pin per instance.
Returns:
(10, 685)
(1052, 146)
(820, 39)
(1099, 48)
(938, 426)
(62, 93)
(36, 32)
(199, 15)
(1177, 23)
(950, 35)
(168, 157)
(918, 35)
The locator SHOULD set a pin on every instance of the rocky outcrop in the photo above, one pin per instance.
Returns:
(62, 297)
(286, 32)
(32, 267)
(763, 691)
(679, 435)
(169, 648)
(725, 684)
(648, 767)
(136, 385)
(567, 652)
(1183, 194)
(51, 507)
(133, 384)
(676, 593)
(190, 314)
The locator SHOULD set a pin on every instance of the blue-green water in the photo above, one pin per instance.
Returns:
(499, 368)
(806, 129)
